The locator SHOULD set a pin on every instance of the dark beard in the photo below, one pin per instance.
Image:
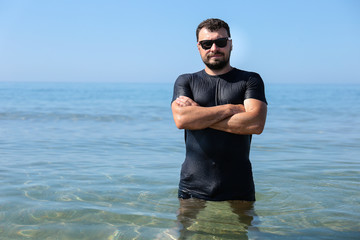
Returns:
(217, 65)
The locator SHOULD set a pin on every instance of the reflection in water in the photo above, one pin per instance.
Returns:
(228, 219)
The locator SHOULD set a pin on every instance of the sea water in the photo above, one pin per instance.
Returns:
(102, 161)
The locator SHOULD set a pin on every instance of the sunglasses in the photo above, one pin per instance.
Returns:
(220, 42)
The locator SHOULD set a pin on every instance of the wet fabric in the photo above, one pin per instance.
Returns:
(217, 165)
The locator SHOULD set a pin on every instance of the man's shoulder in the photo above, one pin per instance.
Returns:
(246, 74)
(189, 75)
(186, 77)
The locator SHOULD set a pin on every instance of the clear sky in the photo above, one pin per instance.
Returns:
(289, 41)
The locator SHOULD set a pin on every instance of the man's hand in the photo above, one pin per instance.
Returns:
(183, 101)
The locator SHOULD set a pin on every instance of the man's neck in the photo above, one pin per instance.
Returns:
(218, 71)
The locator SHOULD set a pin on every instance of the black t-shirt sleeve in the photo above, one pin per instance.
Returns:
(182, 87)
(255, 88)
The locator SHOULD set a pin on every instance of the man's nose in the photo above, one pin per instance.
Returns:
(214, 47)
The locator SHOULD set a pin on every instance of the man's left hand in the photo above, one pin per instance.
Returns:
(184, 101)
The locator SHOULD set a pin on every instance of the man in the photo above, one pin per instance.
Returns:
(220, 108)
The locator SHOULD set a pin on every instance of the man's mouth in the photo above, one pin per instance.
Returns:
(217, 54)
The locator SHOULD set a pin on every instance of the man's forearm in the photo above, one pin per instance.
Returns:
(250, 122)
(197, 117)
(241, 123)
(238, 119)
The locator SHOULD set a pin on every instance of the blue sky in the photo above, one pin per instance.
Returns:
(299, 41)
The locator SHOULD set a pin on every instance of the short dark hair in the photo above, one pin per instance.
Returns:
(212, 24)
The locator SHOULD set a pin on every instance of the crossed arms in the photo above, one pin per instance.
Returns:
(239, 119)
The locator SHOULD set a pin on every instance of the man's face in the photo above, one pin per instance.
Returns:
(215, 58)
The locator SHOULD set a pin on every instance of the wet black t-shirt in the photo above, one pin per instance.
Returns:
(217, 165)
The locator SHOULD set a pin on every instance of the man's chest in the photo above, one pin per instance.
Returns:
(218, 91)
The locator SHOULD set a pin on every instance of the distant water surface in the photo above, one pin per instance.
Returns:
(102, 161)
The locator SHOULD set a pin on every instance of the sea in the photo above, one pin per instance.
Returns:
(101, 161)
